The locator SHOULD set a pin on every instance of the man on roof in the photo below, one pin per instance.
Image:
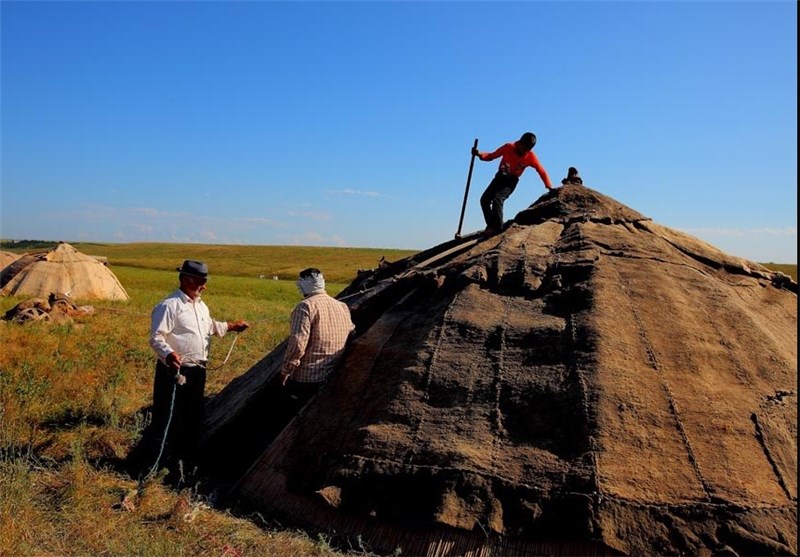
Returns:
(516, 157)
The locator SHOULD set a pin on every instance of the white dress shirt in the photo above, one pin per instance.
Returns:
(180, 324)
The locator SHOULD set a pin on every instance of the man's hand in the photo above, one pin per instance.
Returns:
(238, 326)
(475, 152)
(284, 378)
(174, 360)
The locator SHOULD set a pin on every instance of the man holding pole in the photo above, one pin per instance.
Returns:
(516, 157)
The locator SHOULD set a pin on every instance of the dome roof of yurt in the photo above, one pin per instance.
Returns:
(585, 382)
(62, 270)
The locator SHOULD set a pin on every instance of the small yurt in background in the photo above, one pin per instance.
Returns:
(7, 257)
(63, 270)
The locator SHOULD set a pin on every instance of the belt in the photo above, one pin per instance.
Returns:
(201, 363)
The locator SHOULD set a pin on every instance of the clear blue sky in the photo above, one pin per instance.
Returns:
(350, 123)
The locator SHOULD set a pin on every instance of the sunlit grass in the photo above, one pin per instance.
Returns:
(790, 270)
(72, 400)
(284, 262)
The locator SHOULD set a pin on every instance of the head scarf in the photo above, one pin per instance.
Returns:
(314, 283)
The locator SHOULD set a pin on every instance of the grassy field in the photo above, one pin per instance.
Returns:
(285, 262)
(72, 401)
(786, 269)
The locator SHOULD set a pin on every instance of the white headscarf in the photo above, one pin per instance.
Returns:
(312, 284)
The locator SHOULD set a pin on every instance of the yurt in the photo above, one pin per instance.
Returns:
(7, 257)
(586, 382)
(62, 270)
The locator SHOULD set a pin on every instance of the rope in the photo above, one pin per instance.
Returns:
(225, 361)
(228, 355)
(164, 438)
(153, 470)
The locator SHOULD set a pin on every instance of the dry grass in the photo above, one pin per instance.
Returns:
(285, 262)
(786, 269)
(72, 401)
(76, 508)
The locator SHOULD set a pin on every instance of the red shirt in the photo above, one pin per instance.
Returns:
(515, 165)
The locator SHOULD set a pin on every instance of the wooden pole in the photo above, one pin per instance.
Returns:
(466, 191)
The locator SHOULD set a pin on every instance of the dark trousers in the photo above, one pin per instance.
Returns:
(287, 401)
(181, 421)
(501, 186)
(263, 417)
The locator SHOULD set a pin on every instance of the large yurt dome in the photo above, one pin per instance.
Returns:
(587, 382)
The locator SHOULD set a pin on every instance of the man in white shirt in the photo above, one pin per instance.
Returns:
(180, 334)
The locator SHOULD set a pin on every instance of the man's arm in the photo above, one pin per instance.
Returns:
(221, 328)
(298, 340)
(489, 156)
(162, 321)
(537, 166)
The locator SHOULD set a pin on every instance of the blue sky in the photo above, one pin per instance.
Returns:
(350, 123)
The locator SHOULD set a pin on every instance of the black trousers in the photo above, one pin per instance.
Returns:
(501, 186)
(182, 420)
(264, 416)
(286, 401)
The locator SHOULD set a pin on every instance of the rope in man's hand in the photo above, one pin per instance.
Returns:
(175, 360)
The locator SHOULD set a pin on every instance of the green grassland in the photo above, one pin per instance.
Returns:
(73, 401)
(784, 268)
(285, 262)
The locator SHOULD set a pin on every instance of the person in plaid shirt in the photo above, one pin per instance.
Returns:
(320, 328)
